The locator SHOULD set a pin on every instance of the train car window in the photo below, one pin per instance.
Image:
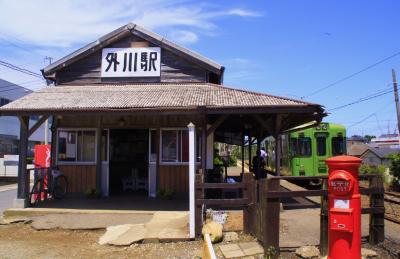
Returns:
(293, 146)
(338, 146)
(304, 146)
(321, 145)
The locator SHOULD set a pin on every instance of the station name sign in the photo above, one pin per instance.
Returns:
(131, 62)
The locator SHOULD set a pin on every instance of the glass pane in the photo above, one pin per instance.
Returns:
(66, 146)
(304, 146)
(168, 146)
(321, 146)
(86, 146)
(338, 146)
(104, 145)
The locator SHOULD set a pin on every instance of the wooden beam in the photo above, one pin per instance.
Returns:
(53, 152)
(37, 125)
(217, 123)
(265, 124)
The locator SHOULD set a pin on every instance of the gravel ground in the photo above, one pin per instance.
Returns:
(21, 241)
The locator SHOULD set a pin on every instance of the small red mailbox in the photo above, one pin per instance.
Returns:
(344, 207)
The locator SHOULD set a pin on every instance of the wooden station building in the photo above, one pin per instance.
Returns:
(133, 108)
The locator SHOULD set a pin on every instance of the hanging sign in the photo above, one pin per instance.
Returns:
(131, 62)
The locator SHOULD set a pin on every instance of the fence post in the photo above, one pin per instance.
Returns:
(376, 220)
(199, 194)
(323, 234)
(248, 222)
(270, 223)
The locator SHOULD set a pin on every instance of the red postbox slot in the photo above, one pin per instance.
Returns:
(341, 220)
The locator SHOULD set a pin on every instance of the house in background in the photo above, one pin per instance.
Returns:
(356, 145)
(378, 156)
(386, 140)
(10, 127)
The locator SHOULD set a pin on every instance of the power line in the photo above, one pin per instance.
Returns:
(19, 84)
(363, 99)
(351, 75)
(369, 116)
(19, 69)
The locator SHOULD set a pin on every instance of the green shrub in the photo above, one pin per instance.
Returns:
(372, 169)
(395, 170)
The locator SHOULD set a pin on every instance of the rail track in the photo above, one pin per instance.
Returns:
(392, 201)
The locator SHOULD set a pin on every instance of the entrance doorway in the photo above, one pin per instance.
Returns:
(129, 161)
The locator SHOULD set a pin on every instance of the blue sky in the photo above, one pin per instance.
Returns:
(286, 48)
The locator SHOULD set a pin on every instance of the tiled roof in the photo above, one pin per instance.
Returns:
(145, 96)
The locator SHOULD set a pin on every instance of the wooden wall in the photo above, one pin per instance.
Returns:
(176, 178)
(80, 177)
(173, 68)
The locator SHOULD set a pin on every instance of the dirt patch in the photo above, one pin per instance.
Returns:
(21, 241)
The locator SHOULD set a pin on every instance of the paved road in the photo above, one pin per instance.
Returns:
(7, 199)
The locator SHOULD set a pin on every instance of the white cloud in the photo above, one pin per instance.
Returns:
(184, 37)
(243, 13)
(63, 23)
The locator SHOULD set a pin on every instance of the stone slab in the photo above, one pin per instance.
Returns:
(134, 234)
(231, 251)
(251, 248)
(113, 232)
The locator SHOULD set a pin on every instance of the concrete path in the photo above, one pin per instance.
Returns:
(7, 197)
(301, 228)
(86, 221)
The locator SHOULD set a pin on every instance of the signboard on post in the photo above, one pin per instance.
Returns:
(131, 62)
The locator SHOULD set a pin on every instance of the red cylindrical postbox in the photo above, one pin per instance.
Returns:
(344, 203)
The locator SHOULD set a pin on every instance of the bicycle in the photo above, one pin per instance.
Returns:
(50, 182)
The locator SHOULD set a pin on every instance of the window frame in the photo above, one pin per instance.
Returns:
(299, 153)
(76, 147)
(179, 149)
(343, 144)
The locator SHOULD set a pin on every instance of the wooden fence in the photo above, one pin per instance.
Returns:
(261, 217)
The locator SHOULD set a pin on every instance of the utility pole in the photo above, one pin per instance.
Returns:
(46, 123)
(396, 98)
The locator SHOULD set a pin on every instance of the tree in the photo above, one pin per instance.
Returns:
(369, 137)
(395, 170)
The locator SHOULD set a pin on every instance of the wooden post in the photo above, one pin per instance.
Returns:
(242, 151)
(23, 176)
(198, 207)
(98, 155)
(270, 223)
(277, 154)
(192, 173)
(377, 220)
(53, 153)
(249, 141)
(248, 211)
(323, 232)
(204, 146)
(158, 144)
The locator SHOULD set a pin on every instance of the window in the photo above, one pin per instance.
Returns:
(304, 146)
(321, 145)
(77, 145)
(338, 146)
(293, 146)
(174, 146)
